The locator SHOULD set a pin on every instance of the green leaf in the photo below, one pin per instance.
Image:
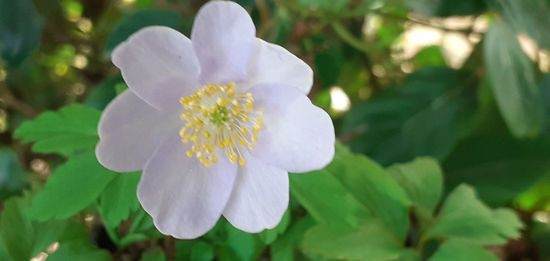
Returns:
(24, 238)
(202, 251)
(422, 180)
(369, 242)
(409, 255)
(79, 251)
(240, 242)
(325, 199)
(155, 254)
(545, 89)
(284, 247)
(429, 56)
(119, 198)
(12, 179)
(447, 7)
(462, 251)
(71, 129)
(72, 187)
(20, 30)
(464, 217)
(327, 5)
(101, 95)
(499, 167)
(528, 17)
(391, 127)
(269, 235)
(74, 244)
(371, 185)
(513, 82)
(329, 60)
(135, 21)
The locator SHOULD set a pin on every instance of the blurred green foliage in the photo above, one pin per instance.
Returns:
(437, 159)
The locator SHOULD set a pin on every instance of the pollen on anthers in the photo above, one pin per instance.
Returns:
(218, 119)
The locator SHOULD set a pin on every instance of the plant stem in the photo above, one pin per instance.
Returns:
(13, 103)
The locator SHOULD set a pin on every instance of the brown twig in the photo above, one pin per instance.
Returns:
(13, 103)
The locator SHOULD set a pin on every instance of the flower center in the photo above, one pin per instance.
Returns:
(218, 118)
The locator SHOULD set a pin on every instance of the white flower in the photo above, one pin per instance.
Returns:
(215, 123)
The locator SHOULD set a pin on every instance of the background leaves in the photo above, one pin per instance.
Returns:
(441, 110)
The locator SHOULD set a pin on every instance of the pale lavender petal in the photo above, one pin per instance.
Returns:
(223, 38)
(184, 197)
(129, 132)
(271, 63)
(158, 63)
(298, 136)
(259, 198)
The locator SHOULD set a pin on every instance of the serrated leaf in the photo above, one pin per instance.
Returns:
(513, 81)
(462, 251)
(72, 187)
(464, 217)
(135, 21)
(119, 198)
(375, 189)
(20, 30)
(369, 242)
(71, 129)
(325, 199)
(422, 180)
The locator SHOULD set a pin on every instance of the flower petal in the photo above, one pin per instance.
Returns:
(184, 197)
(259, 198)
(298, 136)
(271, 63)
(130, 131)
(223, 38)
(158, 63)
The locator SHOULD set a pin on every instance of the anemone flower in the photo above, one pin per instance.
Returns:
(215, 122)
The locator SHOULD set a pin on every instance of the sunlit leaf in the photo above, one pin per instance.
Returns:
(462, 251)
(464, 217)
(422, 180)
(71, 129)
(369, 242)
(371, 185)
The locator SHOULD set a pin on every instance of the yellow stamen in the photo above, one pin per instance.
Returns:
(217, 117)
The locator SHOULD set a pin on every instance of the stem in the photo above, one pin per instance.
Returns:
(13, 103)
(358, 44)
